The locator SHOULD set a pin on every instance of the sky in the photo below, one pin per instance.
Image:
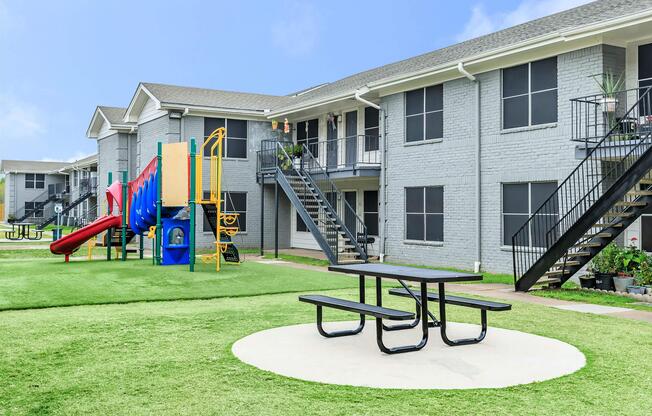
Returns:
(60, 59)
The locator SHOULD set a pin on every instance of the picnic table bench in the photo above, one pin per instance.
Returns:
(421, 297)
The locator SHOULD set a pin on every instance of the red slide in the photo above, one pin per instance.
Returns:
(68, 243)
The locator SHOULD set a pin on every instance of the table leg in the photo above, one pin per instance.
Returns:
(424, 323)
(433, 320)
(345, 332)
(442, 317)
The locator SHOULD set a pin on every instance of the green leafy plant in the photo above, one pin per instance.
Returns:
(643, 276)
(607, 260)
(630, 259)
(610, 84)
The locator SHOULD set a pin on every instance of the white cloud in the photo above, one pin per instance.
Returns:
(297, 33)
(482, 22)
(19, 120)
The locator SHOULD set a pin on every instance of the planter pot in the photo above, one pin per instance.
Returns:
(297, 162)
(587, 282)
(637, 290)
(608, 104)
(649, 290)
(604, 281)
(621, 283)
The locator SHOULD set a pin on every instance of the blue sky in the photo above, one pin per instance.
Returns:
(59, 59)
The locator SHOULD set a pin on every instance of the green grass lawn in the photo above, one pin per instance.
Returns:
(157, 340)
(585, 296)
(175, 358)
(51, 282)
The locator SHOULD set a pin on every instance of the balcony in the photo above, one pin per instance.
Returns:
(593, 117)
(347, 157)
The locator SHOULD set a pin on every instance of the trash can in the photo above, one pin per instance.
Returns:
(56, 234)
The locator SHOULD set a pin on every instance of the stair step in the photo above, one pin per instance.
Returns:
(597, 235)
(568, 263)
(608, 224)
(646, 181)
(352, 262)
(578, 254)
(587, 245)
(618, 214)
(556, 272)
(349, 254)
(630, 204)
(547, 281)
(640, 193)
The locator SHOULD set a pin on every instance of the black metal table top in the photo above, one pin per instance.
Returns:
(413, 274)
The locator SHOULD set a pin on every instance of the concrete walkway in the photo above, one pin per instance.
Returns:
(507, 293)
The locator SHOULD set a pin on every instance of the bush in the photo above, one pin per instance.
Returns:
(607, 260)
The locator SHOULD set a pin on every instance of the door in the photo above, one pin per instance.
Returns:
(351, 131)
(351, 197)
(331, 143)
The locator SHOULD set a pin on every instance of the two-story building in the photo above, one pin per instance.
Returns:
(442, 158)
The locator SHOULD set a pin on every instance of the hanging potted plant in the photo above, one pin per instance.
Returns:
(609, 85)
(604, 266)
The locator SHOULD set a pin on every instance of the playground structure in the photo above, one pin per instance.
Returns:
(160, 203)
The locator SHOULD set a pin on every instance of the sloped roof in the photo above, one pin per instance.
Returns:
(31, 166)
(173, 94)
(590, 13)
(113, 114)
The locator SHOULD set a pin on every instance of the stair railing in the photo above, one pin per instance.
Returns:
(311, 166)
(627, 139)
(290, 166)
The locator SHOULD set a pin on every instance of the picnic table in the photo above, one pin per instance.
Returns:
(22, 230)
(421, 297)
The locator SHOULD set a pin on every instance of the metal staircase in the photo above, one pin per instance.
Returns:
(603, 195)
(50, 219)
(316, 200)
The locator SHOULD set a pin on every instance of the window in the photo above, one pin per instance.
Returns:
(370, 214)
(30, 207)
(233, 203)
(235, 143)
(34, 181)
(371, 129)
(308, 134)
(529, 94)
(424, 114)
(520, 201)
(644, 75)
(424, 213)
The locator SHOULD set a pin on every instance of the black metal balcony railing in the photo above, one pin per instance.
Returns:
(595, 116)
(352, 152)
(347, 152)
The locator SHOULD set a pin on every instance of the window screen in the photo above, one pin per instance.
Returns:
(424, 213)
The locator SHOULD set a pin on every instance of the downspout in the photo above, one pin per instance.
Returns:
(381, 194)
(478, 175)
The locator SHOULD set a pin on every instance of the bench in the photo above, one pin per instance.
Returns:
(457, 300)
(351, 306)
(483, 305)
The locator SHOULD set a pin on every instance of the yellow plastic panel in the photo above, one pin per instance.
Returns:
(174, 188)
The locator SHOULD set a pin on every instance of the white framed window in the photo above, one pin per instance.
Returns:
(529, 94)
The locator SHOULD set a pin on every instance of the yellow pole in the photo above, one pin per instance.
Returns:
(218, 194)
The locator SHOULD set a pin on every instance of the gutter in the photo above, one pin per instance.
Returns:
(382, 147)
(478, 172)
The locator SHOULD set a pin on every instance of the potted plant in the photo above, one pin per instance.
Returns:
(628, 261)
(604, 266)
(609, 85)
(642, 278)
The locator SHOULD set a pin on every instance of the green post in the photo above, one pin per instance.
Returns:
(109, 232)
(124, 215)
(142, 246)
(158, 202)
(191, 203)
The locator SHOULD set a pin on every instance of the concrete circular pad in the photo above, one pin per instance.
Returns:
(505, 358)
